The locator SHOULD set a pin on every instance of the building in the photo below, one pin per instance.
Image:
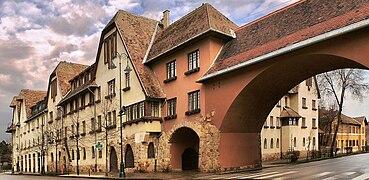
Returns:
(292, 123)
(351, 135)
(146, 75)
(26, 128)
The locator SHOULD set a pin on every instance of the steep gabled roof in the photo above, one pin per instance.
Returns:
(136, 32)
(66, 71)
(31, 97)
(288, 26)
(349, 120)
(201, 20)
(361, 119)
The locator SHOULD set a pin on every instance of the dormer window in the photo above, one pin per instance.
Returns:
(110, 48)
(111, 88)
(53, 89)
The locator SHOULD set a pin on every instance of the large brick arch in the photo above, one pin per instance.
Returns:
(251, 92)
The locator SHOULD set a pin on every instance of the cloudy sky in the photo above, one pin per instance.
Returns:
(35, 35)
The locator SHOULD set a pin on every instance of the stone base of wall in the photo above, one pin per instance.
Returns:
(271, 156)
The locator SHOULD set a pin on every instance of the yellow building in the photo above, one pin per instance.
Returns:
(351, 134)
(292, 123)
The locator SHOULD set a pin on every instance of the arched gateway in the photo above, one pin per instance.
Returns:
(113, 161)
(184, 149)
(265, 72)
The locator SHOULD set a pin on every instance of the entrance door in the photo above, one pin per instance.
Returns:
(190, 159)
(113, 161)
(129, 159)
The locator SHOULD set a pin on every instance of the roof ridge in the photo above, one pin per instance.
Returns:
(136, 15)
(188, 14)
(207, 14)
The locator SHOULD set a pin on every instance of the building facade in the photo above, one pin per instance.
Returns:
(279, 137)
(146, 75)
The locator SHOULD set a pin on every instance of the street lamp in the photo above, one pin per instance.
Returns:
(121, 111)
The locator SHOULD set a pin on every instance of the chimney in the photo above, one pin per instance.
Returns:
(165, 21)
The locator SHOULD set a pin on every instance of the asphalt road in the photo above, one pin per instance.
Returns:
(354, 167)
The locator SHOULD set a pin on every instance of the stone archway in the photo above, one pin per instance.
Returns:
(184, 149)
(113, 161)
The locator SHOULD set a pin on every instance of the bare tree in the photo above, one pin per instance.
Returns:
(335, 84)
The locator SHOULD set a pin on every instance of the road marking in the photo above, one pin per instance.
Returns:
(362, 177)
(252, 175)
(322, 174)
(329, 178)
(348, 173)
(274, 175)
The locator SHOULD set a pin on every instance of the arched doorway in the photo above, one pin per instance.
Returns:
(113, 161)
(129, 158)
(184, 149)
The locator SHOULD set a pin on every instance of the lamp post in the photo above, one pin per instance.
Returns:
(121, 111)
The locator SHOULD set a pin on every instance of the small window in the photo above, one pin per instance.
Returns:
(155, 109)
(265, 144)
(93, 124)
(172, 104)
(303, 122)
(84, 153)
(82, 100)
(84, 127)
(72, 127)
(93, 152)
(52, 157)
(309, 82)
(313, 104)
(271, 121)
(72, 154)
(194, 100)
(294, 142)
(109, 119)
(271, 144)
(111, 88)
(171, 69)
(100, 154)
(314, 123)
(92, 98)
(313, 141)
(99, 122)
(151, 150)
(303, 141)
(193, 60)
(285, 102)
(277, 143)
(114, 117)
(304, 103)
(278, 122)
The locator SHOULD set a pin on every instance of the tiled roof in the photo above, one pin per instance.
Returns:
(31, 97)
(137, 32)
(66, 71)
(361, 119)
(201, 20)
(288, 112)
(285, 27)
(348, 120)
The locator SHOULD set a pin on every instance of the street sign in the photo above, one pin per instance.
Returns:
(99, 146)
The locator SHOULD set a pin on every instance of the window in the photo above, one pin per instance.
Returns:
(92, 98)
(194, 100)
(65, 132)
(128, 78)
(72, 127)
(294, 142)
(303, 141)
(110, 48)
(53, 88)
(309, 82)
(84, 153)
(271, 121)
(100, 154)
(93, 124)
(303, 122)
(155, 109)
(109, 119)
(279, 103)
(271, 144)
(277, 144)
(84, 127)
(172, 103)
(313, 123)
(265, 144)
(193, 60)
(99, 122)
(313, 104)
(72, 154)
(52, 157)
(141, 109)
(111, 88)
(82, 100)
(278, 123)
(93, 152)
(71, 107)
(114, 117)
(151, 150)
(77, 129)
(171, 70)
(304, 103)
(51, 116)
(285, 102)
(313, 141)
(134, 111)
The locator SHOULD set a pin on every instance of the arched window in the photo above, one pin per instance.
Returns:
(93, 152)
(52, 157)
(72, 154)
(303, 141)
(357, 142)
(271, 143)
(265, 144)
(294, 142)
(277, 143)
(129, 158)
(151, 151)
(84, 153)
